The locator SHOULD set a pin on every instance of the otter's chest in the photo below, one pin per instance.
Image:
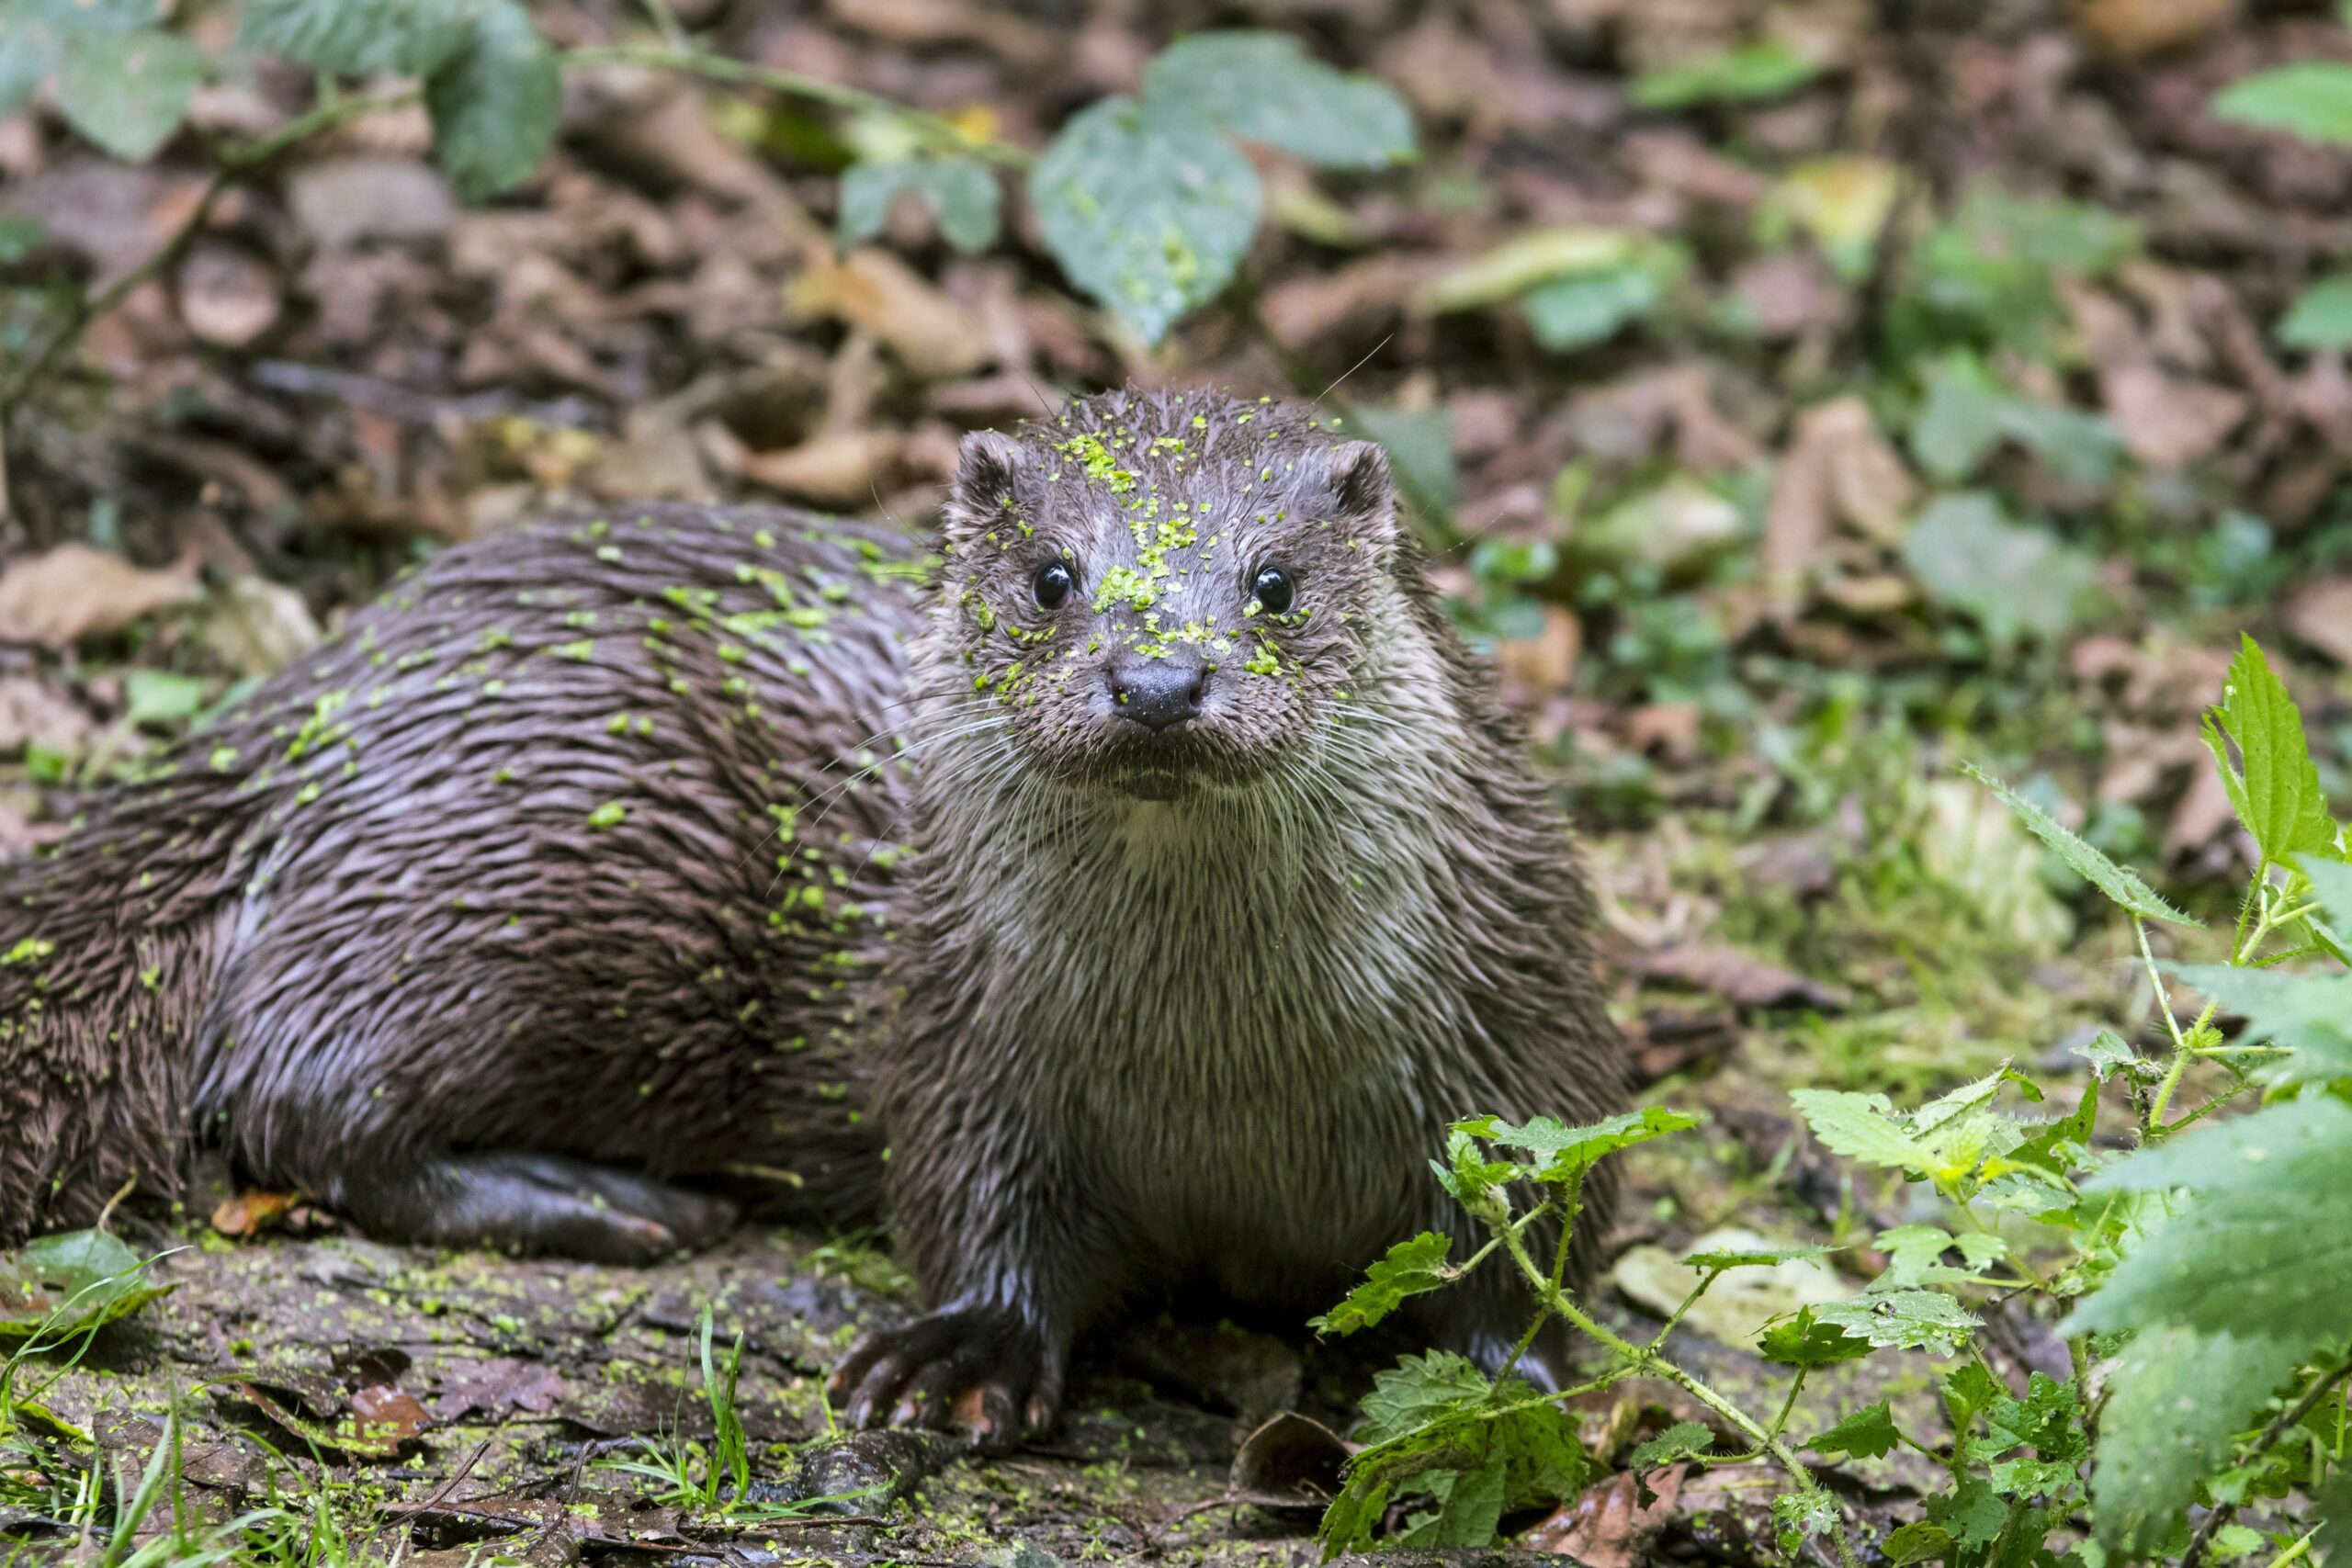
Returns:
(1230, 1031)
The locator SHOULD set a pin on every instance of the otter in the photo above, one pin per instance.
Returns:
(1122, 899)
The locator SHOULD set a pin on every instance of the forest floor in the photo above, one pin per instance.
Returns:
(1948, 421)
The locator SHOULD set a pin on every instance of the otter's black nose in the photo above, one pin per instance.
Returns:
(1158, 693)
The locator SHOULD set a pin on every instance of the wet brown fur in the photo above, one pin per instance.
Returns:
(1144, 1014)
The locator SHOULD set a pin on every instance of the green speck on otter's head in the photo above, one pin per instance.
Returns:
(609, 815)
(30, 950)
(1100, 465)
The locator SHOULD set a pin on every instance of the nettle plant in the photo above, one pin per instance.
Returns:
(2200, 1275)
(1148, 203)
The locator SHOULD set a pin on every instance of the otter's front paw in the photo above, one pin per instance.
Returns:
(984, 1371)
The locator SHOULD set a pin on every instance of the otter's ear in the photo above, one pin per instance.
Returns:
(987, 480)
(1365, 490)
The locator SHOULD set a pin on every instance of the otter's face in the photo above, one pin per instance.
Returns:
(1151, 609)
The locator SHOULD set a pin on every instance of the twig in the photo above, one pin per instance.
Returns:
(2291, 1417)
(939, 131)
(236, 166)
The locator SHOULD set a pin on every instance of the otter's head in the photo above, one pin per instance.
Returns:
(1148, 595)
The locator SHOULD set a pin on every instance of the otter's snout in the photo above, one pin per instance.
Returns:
(1158, 693)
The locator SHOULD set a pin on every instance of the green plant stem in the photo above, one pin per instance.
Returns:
(1646, 1359)
(940, 133)
(2286, 1421)
(235, 167)
(2300, 1550)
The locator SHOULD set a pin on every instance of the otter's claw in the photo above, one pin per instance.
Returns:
(984, 1373)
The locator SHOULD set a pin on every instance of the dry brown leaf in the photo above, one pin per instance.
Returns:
(252, 1212)
(1290, 1462)
(1608, 1526)
(1545, 661)
(2132, 29)
(1839, 469)
(1740, 979)
(2321, 615)
(345, 200)
(2168, 422)
(227, 297)
(388, 1413)
(32, 714)
(838, 468)
(934, 336)
(74, 591)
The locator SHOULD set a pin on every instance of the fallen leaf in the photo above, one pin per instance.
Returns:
(254, 626)
(1839, 469)
(836, 469)
(345, 200)
(1290, 1462)
(74, 591)
(2321, 615)
(388, 1413)
(2166, 420)
(31, 714)
(1545, 661)
(934, 336)
(228, 296)
(1740, 979)
(497, 1387)
(2132, 29)
(1609, 1527)
(252, 1212)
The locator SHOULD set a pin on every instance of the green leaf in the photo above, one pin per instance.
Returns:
(1744, 74)
(360, 37)
(1760, 1259)
(2320, 317)
(1681, 1440)
(1958, 421)
(2310, 98)
(125, 92)
(1265, 87)
(1802, 1514)
(1903, 1320)
(2175, 1403)
(1578, 311)
(2311, 1014)
(2275, 792)
(1410, 1268)
(1417, 1391)
(2013, 580)
(1510, 269)
(1859, 1126)
(161, 696)
(1470, 1506)
(494, 102)
(63, 1284)
(1148, 209)
(29, 51)
(962, 194)
(2121, 886)
(1868, 1433)
(1802, 1339)
(2331, 883)
(2108, 1054)
(1566, 1153)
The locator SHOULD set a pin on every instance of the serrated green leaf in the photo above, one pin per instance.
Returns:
(2275, 790)
(125, 92)
(2310, 1014)
(1417, 1391)
(1971, 1512)
(1148, 209)
(1903, 1320)
(1470, 1504)
(2310, 98)
(1265, 87)
(1680, 1440)
(2331, 883)
(2175, 1403)
(1743, 74)
(2108, 1054)
(70, 1283)
(1859, 1126)
(1410, 1268)
(961, 193)
(1565, 1152)
(1754, 1258)
(1868, 1433)
(494, 102)
(2292, 1142)
(1802, 1514)
(360, 37)
(2122, 885)
(1803, 1339)
(2320, 317)
(1917, 1541)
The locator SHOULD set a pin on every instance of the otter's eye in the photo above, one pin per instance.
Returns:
(1270, 587)
(1052, 585)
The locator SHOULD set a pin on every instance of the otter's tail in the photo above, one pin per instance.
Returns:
(106, 958)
